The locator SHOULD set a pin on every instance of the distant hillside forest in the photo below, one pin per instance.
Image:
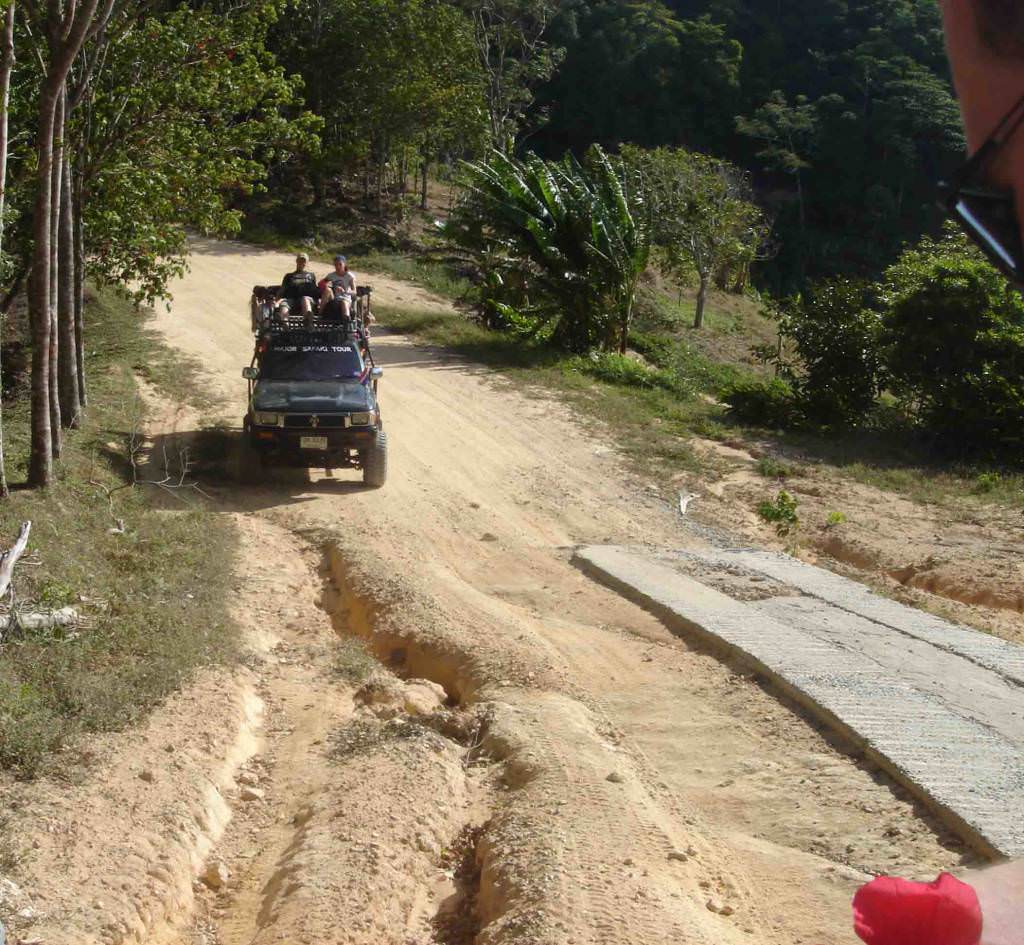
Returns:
(841, 111)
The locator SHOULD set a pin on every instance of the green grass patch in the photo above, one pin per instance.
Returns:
(771, 467)
(434, 275)
(654, 408)
(152, 595)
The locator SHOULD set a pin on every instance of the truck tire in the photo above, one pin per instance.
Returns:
(375, 462)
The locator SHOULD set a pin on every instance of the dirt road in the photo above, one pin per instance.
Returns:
(529, 758)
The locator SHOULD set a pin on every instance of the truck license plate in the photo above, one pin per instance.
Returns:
(313, 442)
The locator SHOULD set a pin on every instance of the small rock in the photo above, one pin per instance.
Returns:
(251, 794)
(615, 778)
(691, 851)
(714, 905)
(215, 875)
(678, 855)
(628, 861)
(249, 778)
(488, 536)
(146, 775)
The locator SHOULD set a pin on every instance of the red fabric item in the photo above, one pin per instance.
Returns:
(891, 911)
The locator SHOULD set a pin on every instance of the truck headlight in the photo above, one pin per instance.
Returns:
(361, 419)
(267, 419)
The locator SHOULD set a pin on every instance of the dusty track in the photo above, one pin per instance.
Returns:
(590, 777)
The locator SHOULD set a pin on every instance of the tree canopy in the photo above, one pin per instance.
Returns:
(843, 110)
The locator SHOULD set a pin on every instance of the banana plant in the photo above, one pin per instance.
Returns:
(569, 231)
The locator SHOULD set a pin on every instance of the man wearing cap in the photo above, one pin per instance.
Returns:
(339, 288)
(298, 289)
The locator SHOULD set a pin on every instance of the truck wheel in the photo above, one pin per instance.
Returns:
(375, 461)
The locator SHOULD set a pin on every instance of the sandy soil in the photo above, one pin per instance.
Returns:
(531, 759)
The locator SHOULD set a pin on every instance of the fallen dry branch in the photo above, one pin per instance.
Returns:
(10, 558)
(174, 483)
(50, 620)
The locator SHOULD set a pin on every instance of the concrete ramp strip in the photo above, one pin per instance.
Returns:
(970, 773)
(997, 655)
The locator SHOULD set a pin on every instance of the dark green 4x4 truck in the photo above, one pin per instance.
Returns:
(313, 402)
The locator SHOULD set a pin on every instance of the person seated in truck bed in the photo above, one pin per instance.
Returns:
(338, 291)
(298, 290)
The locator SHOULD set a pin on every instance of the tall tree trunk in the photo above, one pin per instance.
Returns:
(67, 361)
(40, 472)
(702, 297)
(79, 264)
(57, 180)
(66, 36)
(6, 66)
(425, 169)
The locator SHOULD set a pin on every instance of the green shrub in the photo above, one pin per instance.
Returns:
(835, 519)
(761, 403)
(567, 228)
(837, 337)
(780, 512)
(955, 346)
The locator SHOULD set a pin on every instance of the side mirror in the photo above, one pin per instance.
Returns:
(250, 373)
(377, 372)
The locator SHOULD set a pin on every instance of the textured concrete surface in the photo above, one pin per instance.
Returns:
(938, 706)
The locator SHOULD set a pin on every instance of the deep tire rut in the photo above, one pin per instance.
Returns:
(360, 817)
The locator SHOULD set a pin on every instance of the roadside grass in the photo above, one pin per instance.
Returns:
(352, 662)
(152, 596)
(435, 275)
(895, 460)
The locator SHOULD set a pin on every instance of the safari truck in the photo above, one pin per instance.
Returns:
(313, 399)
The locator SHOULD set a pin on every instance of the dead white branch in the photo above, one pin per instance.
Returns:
(53, 620)
(10, 558)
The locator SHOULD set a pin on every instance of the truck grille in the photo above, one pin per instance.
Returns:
(305, 421)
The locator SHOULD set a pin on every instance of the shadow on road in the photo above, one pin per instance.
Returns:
(194, 463)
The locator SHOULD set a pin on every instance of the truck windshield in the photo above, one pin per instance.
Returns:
(311, 362)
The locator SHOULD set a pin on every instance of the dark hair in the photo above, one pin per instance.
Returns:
(1001, 24)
